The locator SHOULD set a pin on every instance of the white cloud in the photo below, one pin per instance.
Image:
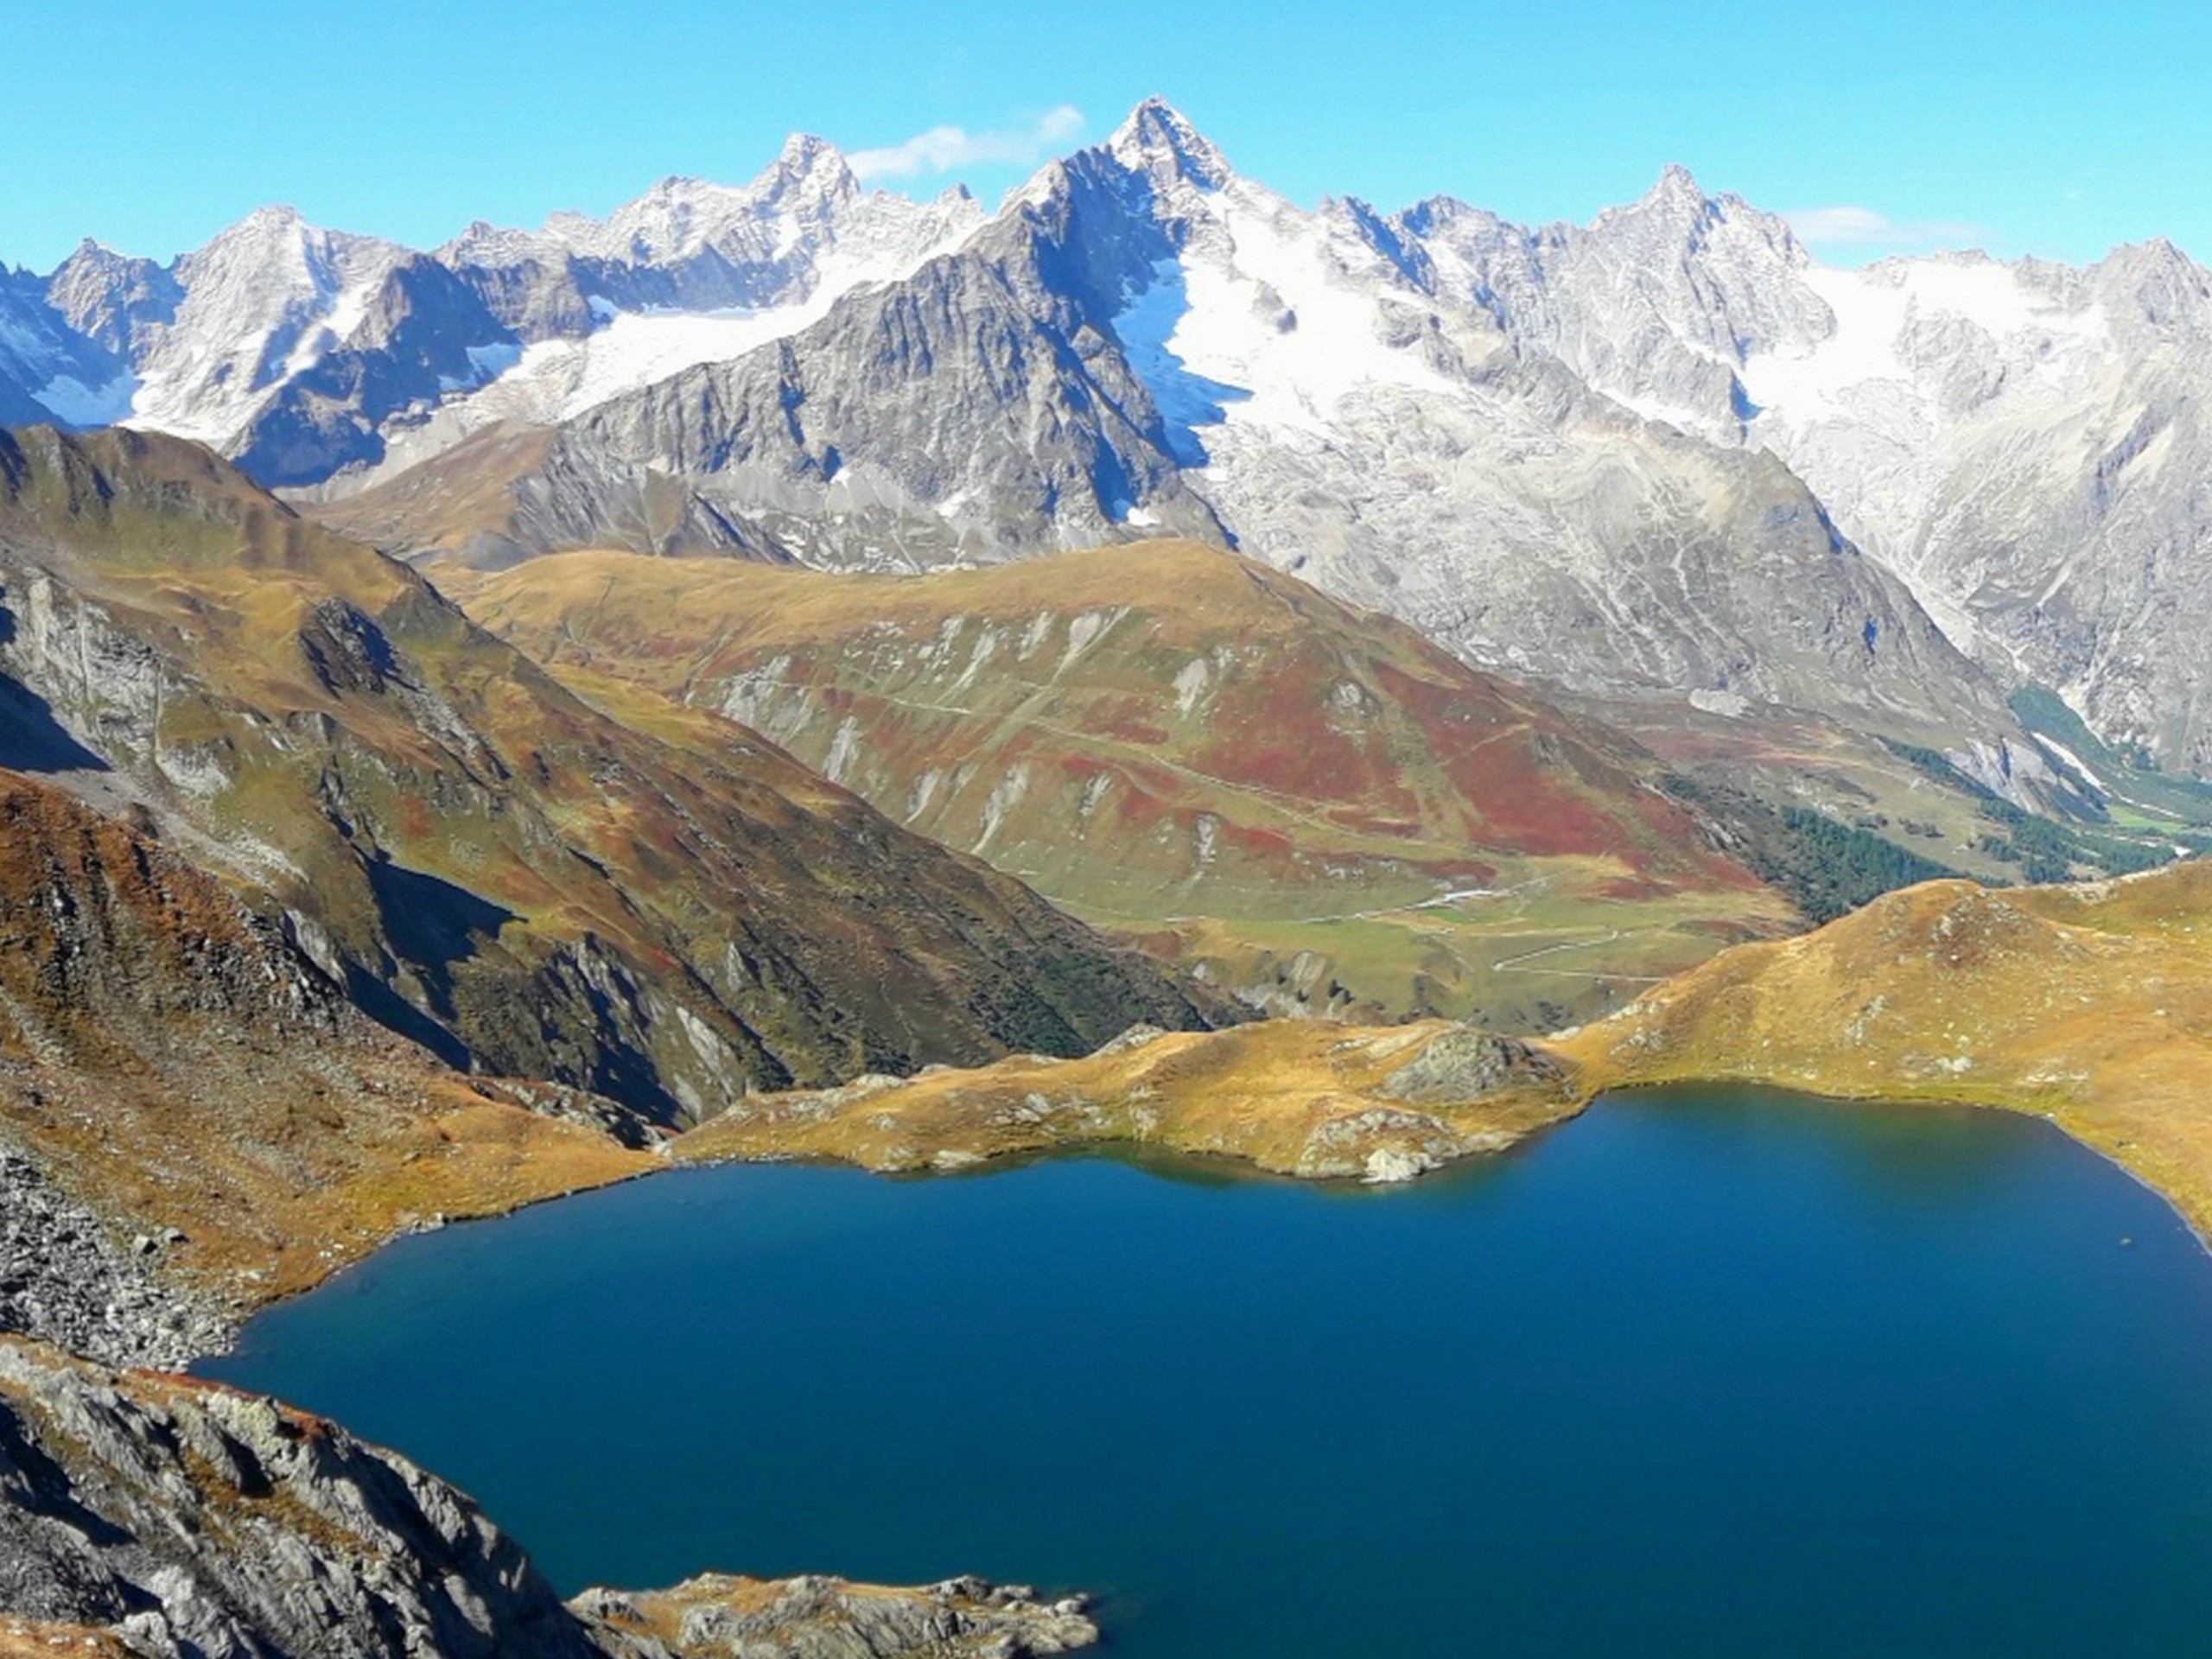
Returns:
(1847, 225)
(942, 149)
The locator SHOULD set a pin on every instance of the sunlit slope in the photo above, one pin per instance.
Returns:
(1327, 812)
(503, 872)
(2091, 1004)
(168, 1061)
(1305, 1097)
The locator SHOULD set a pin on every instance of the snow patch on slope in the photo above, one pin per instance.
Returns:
(79, 405)
(1253, 324)
(1875, 311)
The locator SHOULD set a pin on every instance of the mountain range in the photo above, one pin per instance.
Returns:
(788, 670)
(1667, 454)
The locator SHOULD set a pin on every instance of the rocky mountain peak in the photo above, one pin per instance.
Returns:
(270, 223)
(1158, 139)
(91, 251)
(806, 152)
(807, 173)
(111, 297)
(1676, 202)
(2157, 279)
(277, 236)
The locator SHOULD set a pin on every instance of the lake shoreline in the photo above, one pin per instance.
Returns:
(1757, 1151)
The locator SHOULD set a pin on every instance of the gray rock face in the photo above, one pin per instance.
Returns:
(2020, 441)
(113, 299)
(1466, 1064)
(49, 370)
(1655, 304)
(423, 333)
(206, 1523)
(816, 1617)
(198, 1523)
(303, 352)
(690, 245)
(966, 412)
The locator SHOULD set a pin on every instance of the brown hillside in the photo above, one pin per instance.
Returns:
(1313, 803)
(169, 1061)
(504, 872)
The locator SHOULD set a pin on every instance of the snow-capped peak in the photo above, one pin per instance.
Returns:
(259, 302)
(1159, 139)
(805, 155)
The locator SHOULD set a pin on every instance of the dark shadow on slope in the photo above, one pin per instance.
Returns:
(396, 1014)
(31, 738)
(430, 921)
(1186, 400)
(431, 925)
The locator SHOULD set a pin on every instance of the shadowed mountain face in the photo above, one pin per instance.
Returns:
(1318, 807)
(519, 882)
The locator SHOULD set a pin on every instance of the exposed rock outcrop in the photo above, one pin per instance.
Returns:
(201, 1522)
(180, 1520)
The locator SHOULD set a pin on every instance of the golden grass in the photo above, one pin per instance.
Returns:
(1299, 1097)
(2089, 1005)
(32, 1638)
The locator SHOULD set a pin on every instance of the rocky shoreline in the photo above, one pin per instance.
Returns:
(183, 1519)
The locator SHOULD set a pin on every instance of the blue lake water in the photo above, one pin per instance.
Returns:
(1703, 1373)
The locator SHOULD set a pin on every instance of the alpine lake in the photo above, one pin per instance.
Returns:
(1706, 1373)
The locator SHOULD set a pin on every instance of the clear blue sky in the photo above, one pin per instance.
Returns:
(2057, 130)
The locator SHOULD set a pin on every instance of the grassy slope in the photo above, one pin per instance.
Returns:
(2092, 1005)
(466, 494)
(1301, 1098)
(662, 916)
(161, 1031)
(169, 1061)
(1190, 747)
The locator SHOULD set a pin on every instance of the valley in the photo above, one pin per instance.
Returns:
(1309, 806)
(1289, 916)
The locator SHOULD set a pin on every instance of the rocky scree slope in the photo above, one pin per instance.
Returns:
(518, 881)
